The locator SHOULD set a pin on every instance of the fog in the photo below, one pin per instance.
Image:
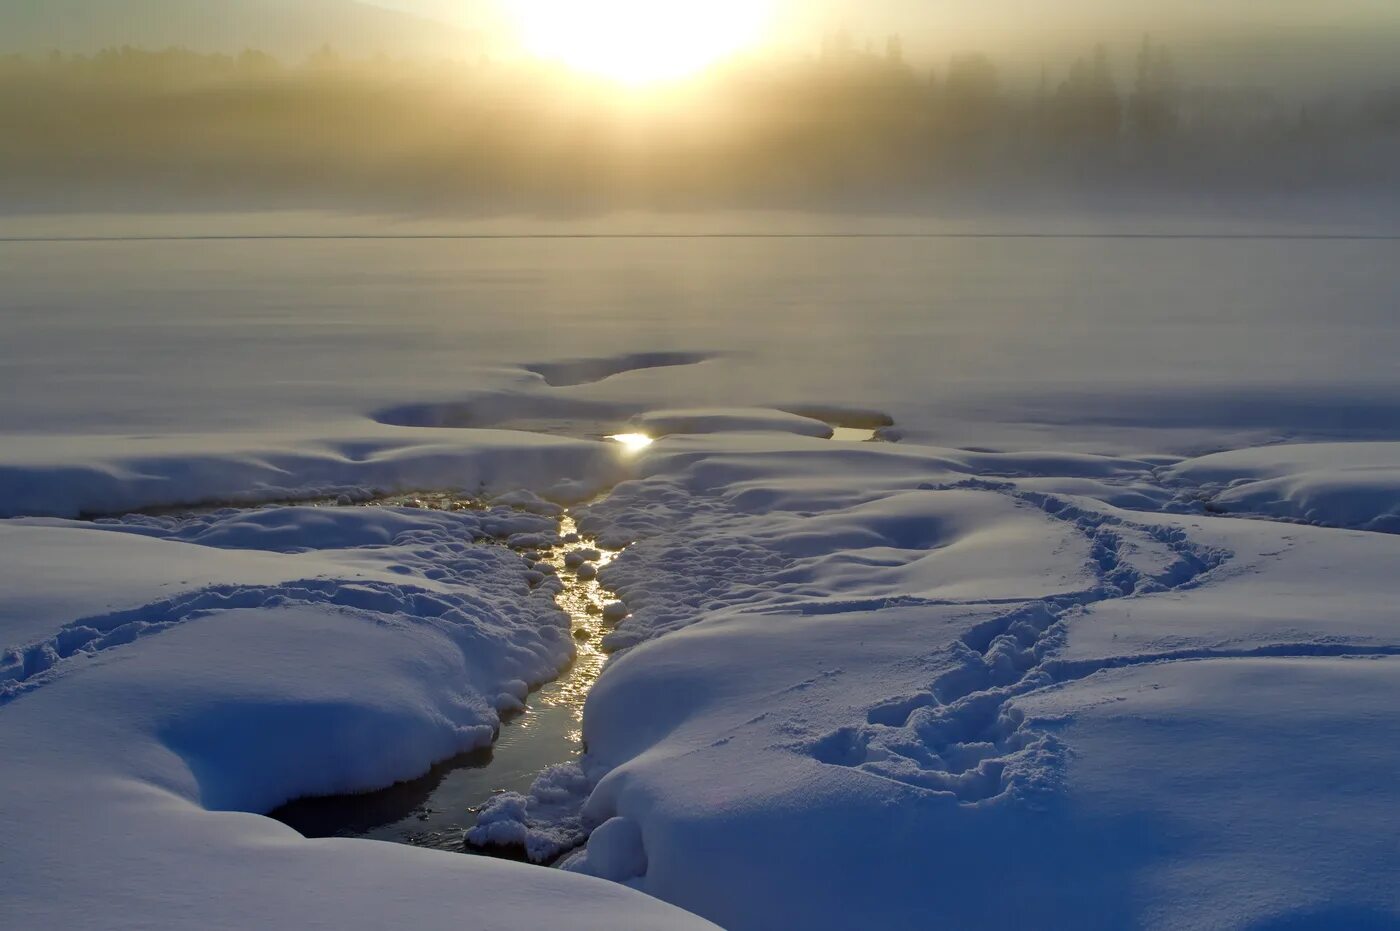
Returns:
(896, 106)
(1277, 43)
(1245, 42)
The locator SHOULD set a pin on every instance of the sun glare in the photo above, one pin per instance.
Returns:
(632, 442)
(639, 41)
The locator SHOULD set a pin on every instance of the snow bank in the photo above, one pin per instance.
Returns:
(69, 476)
(221, 664)
(543, 825)
(1109, 715)
(1335, 484)
(766, 521)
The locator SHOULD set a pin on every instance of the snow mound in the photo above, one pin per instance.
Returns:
(782, 524)
(73, 476)
(843, 678)
(615, 851)
(198, 671)
(303, 529)
(1355, 485)
(543, 825)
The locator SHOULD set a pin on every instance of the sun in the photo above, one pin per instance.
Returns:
(639, 41)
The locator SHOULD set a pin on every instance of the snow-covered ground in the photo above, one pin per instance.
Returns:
(990, 703)
(1107, 639)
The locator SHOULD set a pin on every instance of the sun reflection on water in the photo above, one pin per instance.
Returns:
(632, 442)
(587, 603)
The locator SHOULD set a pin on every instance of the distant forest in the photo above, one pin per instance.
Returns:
(849, 126)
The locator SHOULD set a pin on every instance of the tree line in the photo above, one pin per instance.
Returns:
(850, 124)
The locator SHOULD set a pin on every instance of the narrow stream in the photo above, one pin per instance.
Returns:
(437, 809)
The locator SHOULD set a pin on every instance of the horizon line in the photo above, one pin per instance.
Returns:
(466, 237)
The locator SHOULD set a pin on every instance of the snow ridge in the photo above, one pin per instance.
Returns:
(30, 666)
(480, 596)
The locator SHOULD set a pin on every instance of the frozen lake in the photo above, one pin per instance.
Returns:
(982, 341)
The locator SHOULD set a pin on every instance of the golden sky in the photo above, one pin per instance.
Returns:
(1316, 44)
(1271, 40)
(968, 20)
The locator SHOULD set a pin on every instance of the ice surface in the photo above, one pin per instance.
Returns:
(721, 420)
(1137, 345)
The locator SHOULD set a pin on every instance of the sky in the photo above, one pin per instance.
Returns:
(1013, 20)
(1263, 43)
(1311, 40)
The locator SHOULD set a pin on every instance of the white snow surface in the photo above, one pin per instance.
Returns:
(1133, 718)
(1107, 640)
(170, 679)
(1335, 484)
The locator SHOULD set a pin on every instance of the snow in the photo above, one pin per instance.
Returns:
(1092, 345)
(720, 420)
(1335, 484)
(1107, 639)
(616, 850)
(70, 476)
(1260, 758)
(546, 823)
(905, 752)
(222, 667)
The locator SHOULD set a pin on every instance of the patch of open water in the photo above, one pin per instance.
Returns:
(853, 435)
